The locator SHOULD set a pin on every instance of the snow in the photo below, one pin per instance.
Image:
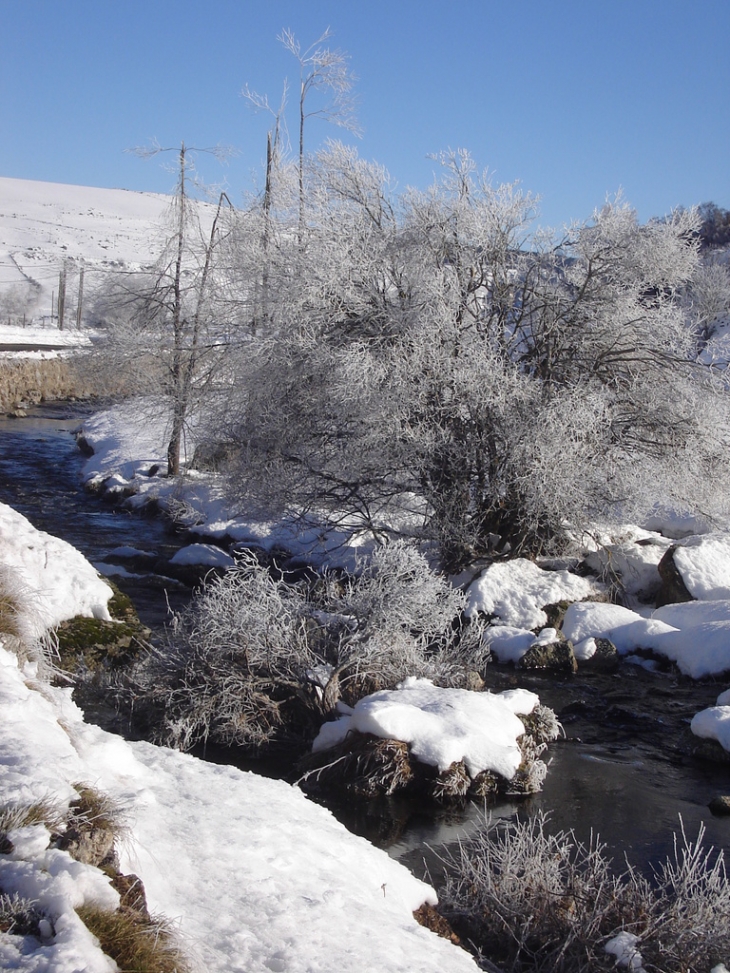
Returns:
(704, 564)
(206, 555)
(255, 876)
(625, 628)
(695, 635)
(508, 643)
(625, 948)
(713, 723)
(687, 614)
(516, 592)
(44, 224)
(442, 726)
(129, 442)
(632, 555)
(49, 574)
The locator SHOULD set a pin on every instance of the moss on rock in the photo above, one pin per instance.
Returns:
(94, 646)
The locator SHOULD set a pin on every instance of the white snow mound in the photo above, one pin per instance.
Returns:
(442, 726)
(516, 592)
(52, 578)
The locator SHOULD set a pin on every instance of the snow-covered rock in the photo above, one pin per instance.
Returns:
(204, 555)
(713, 723)
(516, 592)
(703, 562)
(625, 628)
(442, 726)
(695, 635)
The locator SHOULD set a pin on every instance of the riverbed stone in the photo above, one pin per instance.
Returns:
(707, 749)
(604, 659)
(720, 805)
(673, 588)
(557, 655)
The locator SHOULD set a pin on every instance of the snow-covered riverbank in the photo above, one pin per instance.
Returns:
(254, 875)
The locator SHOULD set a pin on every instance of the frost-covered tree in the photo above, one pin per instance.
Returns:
(166, 326)
(440, 368)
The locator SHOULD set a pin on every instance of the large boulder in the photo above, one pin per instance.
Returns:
(550, 652)
(673, 588)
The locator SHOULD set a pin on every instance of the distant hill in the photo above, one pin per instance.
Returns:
(43, 225)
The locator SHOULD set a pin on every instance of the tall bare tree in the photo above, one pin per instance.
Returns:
(164, 322)
(321, 69)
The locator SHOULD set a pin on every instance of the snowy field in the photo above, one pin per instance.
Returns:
(255, 876)
(42, 224)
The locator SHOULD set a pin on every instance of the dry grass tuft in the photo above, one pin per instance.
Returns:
(9, 615)
(19, 916)
(98, 810)
(135, 944)
(46, 812)
(362, 764)
(452, 784)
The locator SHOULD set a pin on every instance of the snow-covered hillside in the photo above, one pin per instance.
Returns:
(44, 224)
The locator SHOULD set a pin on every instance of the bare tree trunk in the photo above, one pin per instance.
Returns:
(301, 163)
(178, 408)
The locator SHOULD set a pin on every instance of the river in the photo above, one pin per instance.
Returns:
(621, 771)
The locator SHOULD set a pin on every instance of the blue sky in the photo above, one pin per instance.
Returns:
(574, 99)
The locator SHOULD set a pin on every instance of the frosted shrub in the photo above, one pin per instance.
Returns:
(691, 929)
(402, 616)
(227, 658)
(255, 659)
(531, 900)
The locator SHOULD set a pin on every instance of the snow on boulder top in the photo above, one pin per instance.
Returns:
(516, 592)
(713, 723)
(625, 628)
(51, 580)
(686, 614)
(700, 650)
(205, 555)
(442, 726)
(703, 561)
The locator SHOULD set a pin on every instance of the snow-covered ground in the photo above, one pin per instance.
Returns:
(44, 224)
(255, 875)
(129, 442)
(48, 575)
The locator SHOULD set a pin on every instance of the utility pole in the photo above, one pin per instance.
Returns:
(79, 306)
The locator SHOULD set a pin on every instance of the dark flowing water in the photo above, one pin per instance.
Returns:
(40, 476)
(622, 771)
